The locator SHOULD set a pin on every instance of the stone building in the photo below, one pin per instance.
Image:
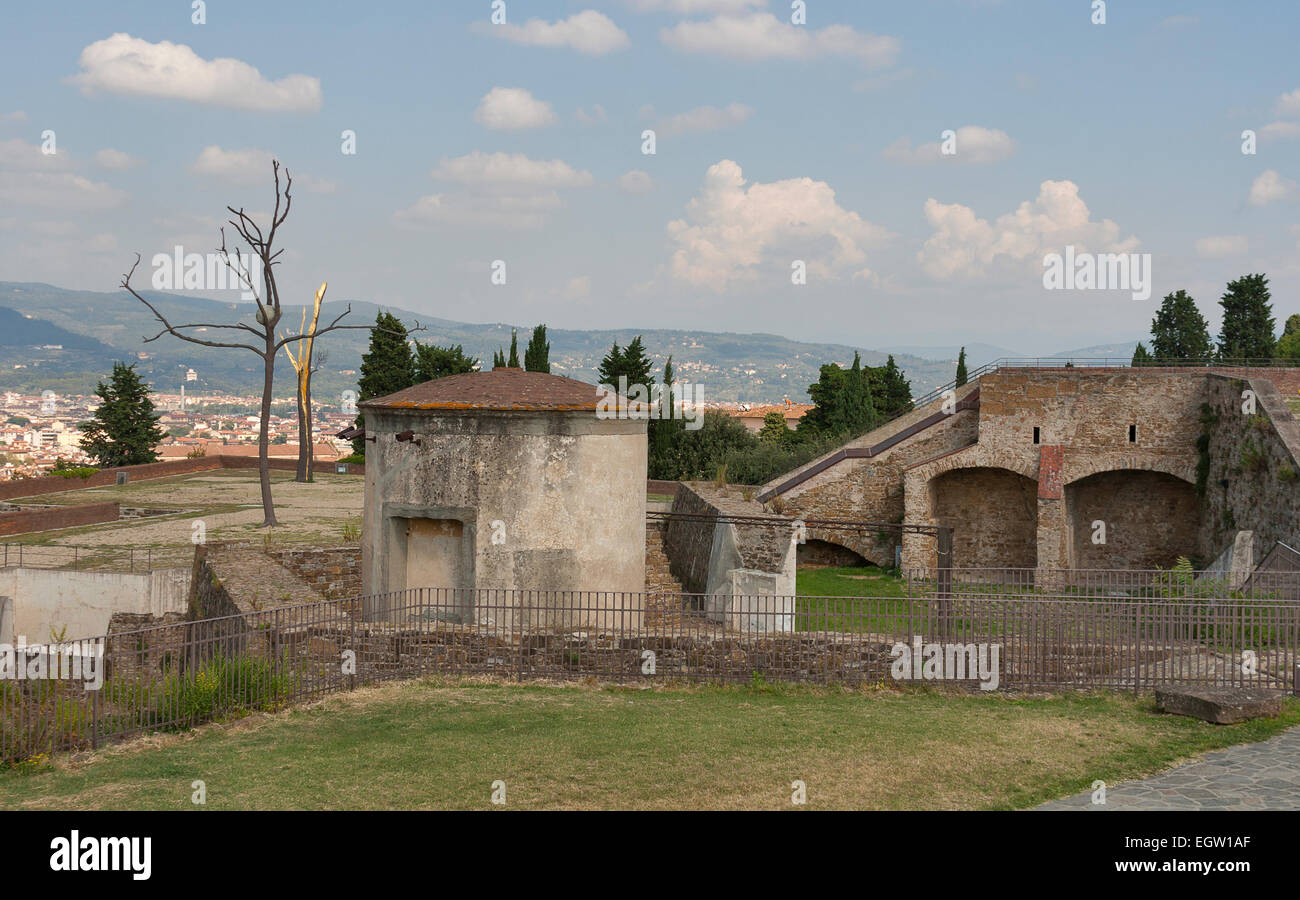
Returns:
(1071, 468)
(504, 479)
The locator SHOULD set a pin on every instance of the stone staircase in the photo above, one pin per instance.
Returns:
(663, 591)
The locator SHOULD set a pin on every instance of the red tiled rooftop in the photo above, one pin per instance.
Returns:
(497, 389)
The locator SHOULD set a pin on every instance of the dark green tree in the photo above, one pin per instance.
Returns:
(513, 362)
(630, 362)
(387, 366)
(961, 368)
(891, 392)
(437, 362)
(842, 401)
(1289, 346)
(537, 355)
(774, 430)
(664, 434)
(1179, 332)
(1140, 355)
(123, 431)
(1247, 329)
(499, 359)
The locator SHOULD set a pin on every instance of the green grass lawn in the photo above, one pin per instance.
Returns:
(441, 745)
(830, 599)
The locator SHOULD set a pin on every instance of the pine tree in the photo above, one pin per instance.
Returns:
(123, 431)
(961, 368)
(1179, 332)
(438, 362)
(386, 367)
(665, 434)
(1140, 355)
(513, 363)
(537, 355)
(1247, 330)
(890, 390)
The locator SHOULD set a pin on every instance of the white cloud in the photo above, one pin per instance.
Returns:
(732, 228)
(251, 166)
(500, 190)
(589, 32)
(760, 36)
(122, 64)
(1288, 105)
(706, 118)
(1269, 187)
(494, 211)
(509, 109)
(17, 154)
(1281, 131)
(61, 191)
(510, 171)
(595, 117)
(973, 145)
(115, 160)
(1221, 246)
(696, 7)
(967, 246)
(635, 182)
(578, 288)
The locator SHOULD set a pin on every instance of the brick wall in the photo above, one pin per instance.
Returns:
(50, 518)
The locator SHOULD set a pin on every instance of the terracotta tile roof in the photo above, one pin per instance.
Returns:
(497, 389)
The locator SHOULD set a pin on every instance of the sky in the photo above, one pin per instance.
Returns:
(517, 148)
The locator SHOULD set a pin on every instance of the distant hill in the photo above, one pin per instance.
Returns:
(729, 366)
(27, 332)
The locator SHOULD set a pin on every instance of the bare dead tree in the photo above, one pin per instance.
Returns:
(267, 316)
(302, 364)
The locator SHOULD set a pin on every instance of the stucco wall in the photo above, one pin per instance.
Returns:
(551, 501)
(83, 602)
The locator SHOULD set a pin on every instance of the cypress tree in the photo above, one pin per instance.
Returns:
(1247, 330)
(123, 431)
(537, 355)
(961, 368)
(513, 363)
(1140, 355)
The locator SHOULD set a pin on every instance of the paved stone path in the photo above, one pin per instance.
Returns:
(1251, 776)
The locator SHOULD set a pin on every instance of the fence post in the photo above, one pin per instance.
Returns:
(945, 578)
(94, 719)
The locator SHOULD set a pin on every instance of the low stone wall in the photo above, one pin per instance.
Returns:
(50, 484)
(330, 571)
(50, 518)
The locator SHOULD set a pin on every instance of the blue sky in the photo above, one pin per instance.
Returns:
(775, 142)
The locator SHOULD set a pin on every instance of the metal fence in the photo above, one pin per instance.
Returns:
(1147, 584)
(176, 676)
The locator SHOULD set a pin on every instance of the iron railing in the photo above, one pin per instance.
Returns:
(174, 676)
(1147, 584)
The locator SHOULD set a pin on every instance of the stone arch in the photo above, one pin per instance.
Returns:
(1149, 514)
(833, 550)
(1081, 466)
(993, 511)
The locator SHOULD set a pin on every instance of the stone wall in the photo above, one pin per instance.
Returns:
(993, 514)
(1250, 477)
(871, 489)
(330, 571)
(1148, 519)
(50, 518)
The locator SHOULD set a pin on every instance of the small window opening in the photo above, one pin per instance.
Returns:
(1132, 434)
(1036, 434)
